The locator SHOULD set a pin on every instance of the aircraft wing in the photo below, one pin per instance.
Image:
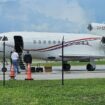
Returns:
(79, 56)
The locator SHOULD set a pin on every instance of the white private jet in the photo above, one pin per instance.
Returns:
(48, 46)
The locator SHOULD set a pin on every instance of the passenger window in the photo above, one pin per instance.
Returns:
(39, 41)
(59, 42)
(54, 42)
(44, 42)
(34, 42)
(49, 42)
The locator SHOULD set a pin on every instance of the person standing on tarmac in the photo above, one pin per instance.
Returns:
(27, 58)
(14, 59)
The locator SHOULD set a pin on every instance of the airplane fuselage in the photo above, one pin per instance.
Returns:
(48, 46)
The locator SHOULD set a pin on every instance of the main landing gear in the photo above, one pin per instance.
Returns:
(66, 66)
(91, 67)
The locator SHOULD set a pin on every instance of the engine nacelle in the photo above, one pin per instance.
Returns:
(103, 41)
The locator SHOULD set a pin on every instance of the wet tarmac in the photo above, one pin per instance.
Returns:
(76, 72)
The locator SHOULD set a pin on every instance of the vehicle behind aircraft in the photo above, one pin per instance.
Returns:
(97, 29)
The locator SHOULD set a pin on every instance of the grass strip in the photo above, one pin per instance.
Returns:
(51, 92)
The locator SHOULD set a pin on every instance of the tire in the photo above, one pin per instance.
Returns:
(90, 67)
(66, 67)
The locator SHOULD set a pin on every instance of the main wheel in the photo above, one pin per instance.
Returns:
(66, 67)
(90, 67)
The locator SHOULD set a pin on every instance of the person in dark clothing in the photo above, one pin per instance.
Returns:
(27, 58)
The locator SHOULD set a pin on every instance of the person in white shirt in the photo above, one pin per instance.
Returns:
(14, 58)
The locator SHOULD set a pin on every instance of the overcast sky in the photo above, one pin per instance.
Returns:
(50, 15)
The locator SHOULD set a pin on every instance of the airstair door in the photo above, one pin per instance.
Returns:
(19, 45)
